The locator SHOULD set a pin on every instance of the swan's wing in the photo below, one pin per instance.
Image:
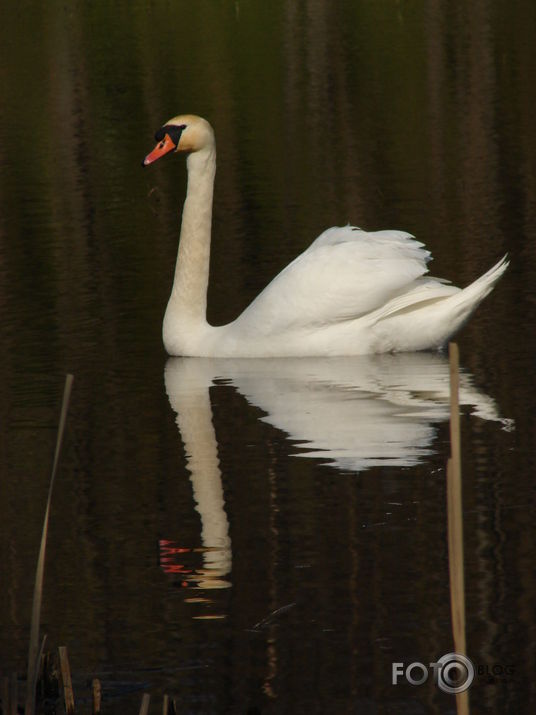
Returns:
(344, 274)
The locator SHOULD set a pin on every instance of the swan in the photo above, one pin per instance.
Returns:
(352, 292)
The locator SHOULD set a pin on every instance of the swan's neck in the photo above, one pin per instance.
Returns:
(187, 305)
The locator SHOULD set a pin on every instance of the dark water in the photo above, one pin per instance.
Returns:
(276, 545)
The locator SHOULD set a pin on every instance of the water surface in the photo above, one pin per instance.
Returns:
(251, 536)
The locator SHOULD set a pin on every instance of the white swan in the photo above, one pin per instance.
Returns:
(351, 292)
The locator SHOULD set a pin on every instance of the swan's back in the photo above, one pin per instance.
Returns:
(345, 274)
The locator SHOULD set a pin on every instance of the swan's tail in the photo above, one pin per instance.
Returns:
(476, 291)
(434, 311)
(461, 305)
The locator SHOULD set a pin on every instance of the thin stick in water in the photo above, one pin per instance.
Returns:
(455, 509)
(455, 441)
(455, 524)
(270, 617)
(97, 695)
(144, 708)
(66, 678)
(33, 648)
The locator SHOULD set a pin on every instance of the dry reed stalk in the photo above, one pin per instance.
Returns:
(454, 509)
(97, 695)
(66, 679)
(34, 657)
(169, 706)
(144, 708)
(455, 522)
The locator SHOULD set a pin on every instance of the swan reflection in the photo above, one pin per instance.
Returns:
(353, 413)
(188, 394)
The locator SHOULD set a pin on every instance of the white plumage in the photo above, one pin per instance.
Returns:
(351, 292)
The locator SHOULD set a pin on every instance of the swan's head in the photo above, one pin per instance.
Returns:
(185, 133)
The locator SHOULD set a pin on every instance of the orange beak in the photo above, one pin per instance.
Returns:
(164, 147)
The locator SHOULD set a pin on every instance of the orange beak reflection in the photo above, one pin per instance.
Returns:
(164, 147)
